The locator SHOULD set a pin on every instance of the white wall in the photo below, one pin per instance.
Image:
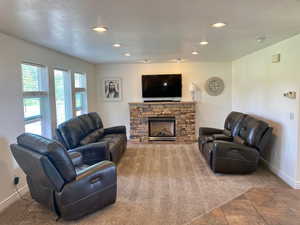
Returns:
(13, 53)
(211, 111)
(258, 87)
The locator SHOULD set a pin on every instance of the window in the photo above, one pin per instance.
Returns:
(80, 80)
(63, 97)
(80, 91)
(79, 99)
(35, 99)
(68, 97)
(32, 114)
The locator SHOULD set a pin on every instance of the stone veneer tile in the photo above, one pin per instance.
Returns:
(184, 113)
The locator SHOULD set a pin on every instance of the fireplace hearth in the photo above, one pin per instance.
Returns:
(162, 128)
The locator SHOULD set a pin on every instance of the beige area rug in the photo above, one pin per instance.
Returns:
(166, 184)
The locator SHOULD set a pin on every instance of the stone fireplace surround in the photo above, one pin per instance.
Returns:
(184, 113)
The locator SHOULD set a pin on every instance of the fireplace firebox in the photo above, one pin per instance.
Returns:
(162, 128)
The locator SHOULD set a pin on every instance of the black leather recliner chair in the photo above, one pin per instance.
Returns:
(62, 181)
(232, 122)
(241, 154)
(86, 134)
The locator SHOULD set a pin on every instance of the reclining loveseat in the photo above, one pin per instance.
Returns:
(238, 147)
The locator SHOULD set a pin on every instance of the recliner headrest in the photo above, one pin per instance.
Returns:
(96, 118)
(72, 131)
(232, 121)
(252, 130)
(56, 153)
(88, 125)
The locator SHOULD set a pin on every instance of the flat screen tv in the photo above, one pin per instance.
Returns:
(166, 86)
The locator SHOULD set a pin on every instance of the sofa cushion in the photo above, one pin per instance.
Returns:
(92, 137)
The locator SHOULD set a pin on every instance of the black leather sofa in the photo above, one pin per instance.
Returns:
(237, 148)
(232, 122)
(86, 134)
(61, 181)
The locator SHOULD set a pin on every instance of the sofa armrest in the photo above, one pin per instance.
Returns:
(209, 131)
(93, 153)
(76, 158)
(222, 137)
(115, 130)
(90, 182)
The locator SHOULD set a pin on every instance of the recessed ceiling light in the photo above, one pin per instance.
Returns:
(219, 25)
(127, 54)
(144, 61)
(195, 53)
(203, 43)
(178, 60)
(117, 45)
(100, 29)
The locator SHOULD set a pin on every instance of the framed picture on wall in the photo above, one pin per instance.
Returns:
(112, 89)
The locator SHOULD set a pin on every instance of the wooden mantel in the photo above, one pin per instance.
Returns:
(184, 113)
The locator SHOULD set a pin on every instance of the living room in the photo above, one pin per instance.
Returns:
(229, 57)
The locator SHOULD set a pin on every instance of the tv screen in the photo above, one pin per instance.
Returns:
(161, 86)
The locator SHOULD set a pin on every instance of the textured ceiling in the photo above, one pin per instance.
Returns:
(159, 30)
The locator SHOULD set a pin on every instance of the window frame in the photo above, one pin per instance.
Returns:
(42, 95)
(67, 94)
(80, 90)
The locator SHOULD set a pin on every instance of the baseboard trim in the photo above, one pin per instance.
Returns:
(12, 198)
(282, 175)
(297, 185)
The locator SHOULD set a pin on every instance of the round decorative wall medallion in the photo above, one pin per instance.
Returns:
(214, 86)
